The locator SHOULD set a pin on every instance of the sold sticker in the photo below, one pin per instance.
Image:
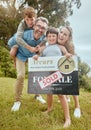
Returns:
(50, 79)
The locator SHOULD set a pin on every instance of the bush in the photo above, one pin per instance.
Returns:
(6, 64)
(86, 83)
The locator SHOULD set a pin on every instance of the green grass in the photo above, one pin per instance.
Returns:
(30, 116)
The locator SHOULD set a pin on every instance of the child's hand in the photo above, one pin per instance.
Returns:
(32, 49)
(35, 57)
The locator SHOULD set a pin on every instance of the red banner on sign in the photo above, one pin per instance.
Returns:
(50, 79)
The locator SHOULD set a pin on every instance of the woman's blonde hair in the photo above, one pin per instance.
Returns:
(69, 44)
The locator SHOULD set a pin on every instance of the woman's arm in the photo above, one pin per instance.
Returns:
(64, 51)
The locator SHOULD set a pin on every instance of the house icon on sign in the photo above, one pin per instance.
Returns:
(66, 65)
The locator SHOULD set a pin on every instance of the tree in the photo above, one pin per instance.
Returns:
(8, 21)
(55, 10)
(83, 71)
(6, 65)
(83, 68)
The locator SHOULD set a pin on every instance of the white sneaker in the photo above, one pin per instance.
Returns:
(68, 99)
(16, 106)
(58, 101)
(77, 112)
(39, 98)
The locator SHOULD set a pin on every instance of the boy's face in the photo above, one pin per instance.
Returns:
(29, 21)
(52, 38)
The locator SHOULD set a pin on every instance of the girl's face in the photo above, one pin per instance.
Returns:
(63, 36)
(52, 38)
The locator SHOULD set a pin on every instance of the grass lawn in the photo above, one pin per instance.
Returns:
(30, 116)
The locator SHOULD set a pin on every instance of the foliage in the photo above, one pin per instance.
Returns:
(6, 65)
(83, 74)
(7, 29)
(83, 68)
(84, 80)
(55, 10)
(9, 20)
(86, 83)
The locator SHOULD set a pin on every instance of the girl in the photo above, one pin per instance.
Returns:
(54, 49)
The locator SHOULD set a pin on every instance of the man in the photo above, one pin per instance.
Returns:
(33, 38)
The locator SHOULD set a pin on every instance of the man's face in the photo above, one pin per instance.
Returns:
(39, 29)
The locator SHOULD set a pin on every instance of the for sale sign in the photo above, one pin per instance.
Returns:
(54, 75)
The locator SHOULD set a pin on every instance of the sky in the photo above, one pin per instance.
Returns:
(80, 22)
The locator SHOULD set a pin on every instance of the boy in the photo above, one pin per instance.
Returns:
(27, 23)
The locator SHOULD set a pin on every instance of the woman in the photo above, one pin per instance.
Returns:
(65, 39)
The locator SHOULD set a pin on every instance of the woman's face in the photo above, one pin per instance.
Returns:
(63, 36)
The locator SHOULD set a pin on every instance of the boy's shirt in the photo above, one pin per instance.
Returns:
(23, 54)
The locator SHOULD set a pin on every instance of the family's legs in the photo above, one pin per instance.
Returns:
(68, 98)
(77, 111)
(40, 98)
(20, 67)
(49, 103)
(65, 107)
(13, 52)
